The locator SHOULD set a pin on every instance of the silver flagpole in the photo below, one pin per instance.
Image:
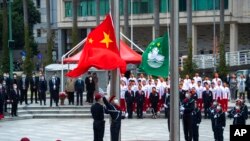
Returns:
(115, 76)
(174, 72)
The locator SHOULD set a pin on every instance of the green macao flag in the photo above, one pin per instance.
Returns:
(155, 60)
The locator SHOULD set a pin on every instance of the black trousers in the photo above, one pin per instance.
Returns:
(1, 106)
(187, 126)
(24, 96)
(130, 110)
(154, 109)
(42, 97)
(115, 130)
(213, 128)
(248, 94)
(206, 109)
(71, 97)
(167, 115)
(90, 96)
(32, 93)
(54, 95)
(195, 132)
(139, 110)
(219, 133)
(99, 127)
(79, 98)
(14, 108)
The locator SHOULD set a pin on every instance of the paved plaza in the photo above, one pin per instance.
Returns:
(81, 130)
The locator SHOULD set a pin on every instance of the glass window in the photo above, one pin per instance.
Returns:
(38, 32)
(87, 8)
(68, 9)
(38, 3)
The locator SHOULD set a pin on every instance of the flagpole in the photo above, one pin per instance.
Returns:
(115, 76)
(174, 71)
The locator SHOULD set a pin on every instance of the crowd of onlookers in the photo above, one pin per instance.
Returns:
(14, 91)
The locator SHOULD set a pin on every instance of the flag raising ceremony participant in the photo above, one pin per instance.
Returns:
(100, 50)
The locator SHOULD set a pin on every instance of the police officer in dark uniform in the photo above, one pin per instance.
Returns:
(139, 98)
(14, 96)
(187, 108)
(129, 98)
(207, 97)
(211, 112)
(196, 120)
(166, 104)
(238, 114)
(154, 99)
(97, 111)
(113, 109)
(219, 123)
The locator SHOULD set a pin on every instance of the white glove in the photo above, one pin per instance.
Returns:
(223, 127)
(126, 115)
(197, 124)
(182, 108)
(236, 115)
(166, 106)
(212, 111)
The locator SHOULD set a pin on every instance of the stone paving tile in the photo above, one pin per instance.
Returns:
(82, 130)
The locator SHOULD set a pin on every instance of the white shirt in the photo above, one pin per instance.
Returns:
(213, 90)
(145, 89)
(216, 80)
(196, 79)
(226, 93)
(206, 81)
(186, 84)
(149, 88)
(123, 90)
(199, 90)
(161, 88)
(134, 88)
(125, 80)
(219, 92)
(192, 85)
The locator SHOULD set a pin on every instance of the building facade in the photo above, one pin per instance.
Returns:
(205, 18)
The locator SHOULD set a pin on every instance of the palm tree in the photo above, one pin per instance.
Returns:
(28, 64)
(49, 35)
(97, 12)
(156, 18)
(222, 64)
(74, 28)
(5, 52)
(125, 14)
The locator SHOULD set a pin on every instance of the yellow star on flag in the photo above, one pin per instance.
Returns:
(158, 44)
(91, 40)
(106, 40)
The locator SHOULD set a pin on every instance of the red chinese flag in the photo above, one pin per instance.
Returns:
(100, 50)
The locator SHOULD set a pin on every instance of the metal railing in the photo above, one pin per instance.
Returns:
(236, 58)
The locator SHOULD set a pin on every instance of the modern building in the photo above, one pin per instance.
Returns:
(205, 18)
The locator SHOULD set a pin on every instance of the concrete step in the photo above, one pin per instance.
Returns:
(63, 115)
(54, 111)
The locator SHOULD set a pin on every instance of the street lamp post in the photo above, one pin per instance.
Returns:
(10, 41)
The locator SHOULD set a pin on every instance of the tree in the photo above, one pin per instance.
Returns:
(28, 64)
(189, 65)
(156, 18)
(49, 37)
(5, 64)
(222, 69)
(74, 28)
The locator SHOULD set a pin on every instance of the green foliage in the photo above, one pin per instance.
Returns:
(17, 21)
(5, 63)
(50, 47)
(28, 63)
(222, 68)
(188, 66)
